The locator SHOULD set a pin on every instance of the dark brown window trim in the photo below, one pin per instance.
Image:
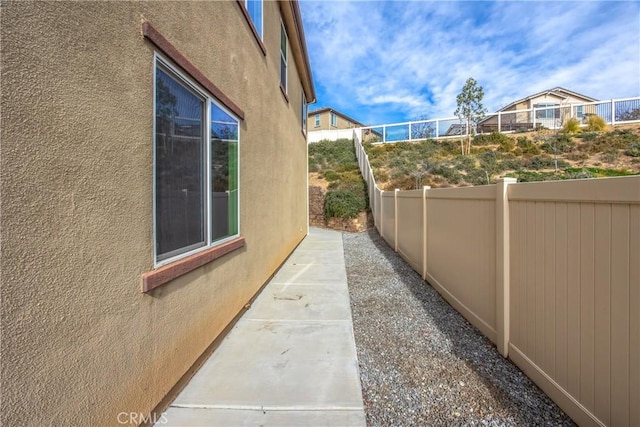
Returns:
(169, 50)
(162, 275)
(284, 93)
(254, 30)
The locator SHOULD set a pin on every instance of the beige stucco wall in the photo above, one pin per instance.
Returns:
(80, 342)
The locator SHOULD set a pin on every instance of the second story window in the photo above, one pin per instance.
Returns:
(283, 58)
(334, 120)
(254, 7)
(317, 121)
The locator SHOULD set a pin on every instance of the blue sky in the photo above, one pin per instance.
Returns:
(391, 61)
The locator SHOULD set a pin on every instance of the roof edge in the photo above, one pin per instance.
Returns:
(344, 116)
(293, 21)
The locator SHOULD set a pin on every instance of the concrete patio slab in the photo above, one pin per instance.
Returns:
(191, 417)
(291, 359)
(300, 302)
(312, 273)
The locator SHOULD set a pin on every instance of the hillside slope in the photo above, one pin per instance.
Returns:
(535, 156)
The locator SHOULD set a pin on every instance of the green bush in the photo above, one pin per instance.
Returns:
(578, 174)
(528, 176)
(560, 143)
(330, 175)
(595, 123)
(330, 154)
(450, 147)
(633, 150)
(465, 163)
(494, 138)
(571, 126)
(344, 203)
(577, 156)
(588, 136)
(542, 162)
(446, 171)
(601, 173)
(380, 176)
(506, 145)
(527, 146)
(478, 177)
(512, 164)
(611, 155)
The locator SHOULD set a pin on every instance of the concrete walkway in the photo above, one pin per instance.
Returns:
(291, 359)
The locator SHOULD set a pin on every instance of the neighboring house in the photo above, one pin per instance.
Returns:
(330, 119)
(329, 124)
(551, 107)
(456, 129)
(153, 178)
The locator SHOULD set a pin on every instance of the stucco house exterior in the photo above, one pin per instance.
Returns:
(329, 119)
(551, 106)
(153, 178)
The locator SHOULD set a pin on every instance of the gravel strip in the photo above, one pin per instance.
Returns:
(421, 363)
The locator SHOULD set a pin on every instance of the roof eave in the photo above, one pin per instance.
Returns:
(293, 22)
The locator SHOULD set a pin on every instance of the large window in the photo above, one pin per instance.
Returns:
(195, 167)
(254, 7)
(283, 57)
(547, 111)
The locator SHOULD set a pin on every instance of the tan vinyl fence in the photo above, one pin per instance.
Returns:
(550, 272)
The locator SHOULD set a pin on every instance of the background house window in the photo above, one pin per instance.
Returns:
(317, 121)
(195, 181)
(254, 7)
(547, 111)
(283, 57)
(334, 120)
(580, 111)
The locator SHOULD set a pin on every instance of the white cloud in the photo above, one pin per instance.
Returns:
(394, 61)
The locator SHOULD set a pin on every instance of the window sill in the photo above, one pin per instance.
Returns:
(284, 93)
(167, 273)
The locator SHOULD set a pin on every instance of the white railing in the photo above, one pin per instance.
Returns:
(614, 111)
(329, 135)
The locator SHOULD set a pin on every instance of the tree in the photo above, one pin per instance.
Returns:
(628, 115)
(470, 108)
(422, 129)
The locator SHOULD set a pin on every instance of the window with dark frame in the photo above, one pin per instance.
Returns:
(547, 111)
(195, 167)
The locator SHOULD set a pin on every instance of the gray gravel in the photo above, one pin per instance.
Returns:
(422, 363)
